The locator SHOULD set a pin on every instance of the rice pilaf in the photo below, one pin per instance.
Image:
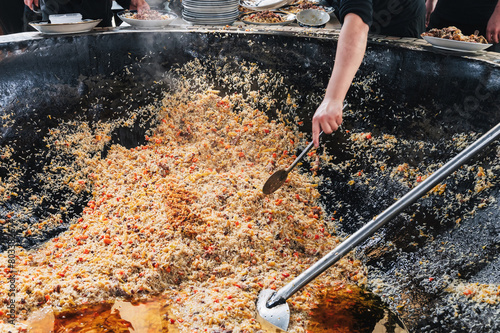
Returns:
(184, 216)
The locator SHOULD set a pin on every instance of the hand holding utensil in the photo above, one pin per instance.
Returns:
(279, 177)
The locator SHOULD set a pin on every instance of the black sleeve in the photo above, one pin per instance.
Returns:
(362, 8)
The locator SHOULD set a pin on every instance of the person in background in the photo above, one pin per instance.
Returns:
(468, 16)
(90, 9)
(402, 18)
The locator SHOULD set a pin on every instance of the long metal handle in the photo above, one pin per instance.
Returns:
(307, 148)
(301, 155)
(369, 229)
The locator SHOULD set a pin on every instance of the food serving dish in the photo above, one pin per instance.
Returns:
(313, 18)
(298, 6)
(166, 18)
(286, 17)
(258, 5)
(64, 28)
(455, 45)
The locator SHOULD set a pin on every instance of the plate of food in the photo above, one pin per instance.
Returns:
(64, 28)
(268, 17)
(297, 6)
(148, 18)
(257, 5)
(244, 10)
(452, 39)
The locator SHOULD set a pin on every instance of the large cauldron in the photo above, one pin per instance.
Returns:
(402, 89)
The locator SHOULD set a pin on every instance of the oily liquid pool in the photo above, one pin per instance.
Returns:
(150, 316)
(340, 310)
(352, 310)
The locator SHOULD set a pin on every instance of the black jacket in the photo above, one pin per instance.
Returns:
(403, 18)
(466, 15)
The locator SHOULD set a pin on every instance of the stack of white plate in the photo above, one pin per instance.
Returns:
(212, 12)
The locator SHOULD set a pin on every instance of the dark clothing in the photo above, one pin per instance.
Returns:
(11, 16)
(466, 15)
(30, 16)
(90, 9)
(402, 18)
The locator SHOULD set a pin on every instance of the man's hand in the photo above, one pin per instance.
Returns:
(139, 5)
(493, 27)
(328, 118)
(30, 3)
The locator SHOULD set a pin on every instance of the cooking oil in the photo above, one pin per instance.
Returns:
(339, 310)
(350, 309)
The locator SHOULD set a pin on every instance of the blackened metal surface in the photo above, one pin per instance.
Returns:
(413, 95)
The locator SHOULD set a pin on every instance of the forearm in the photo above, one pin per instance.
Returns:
(350, 52)
(431, 4)
(496, 12)
(429, 8)
(493, 28)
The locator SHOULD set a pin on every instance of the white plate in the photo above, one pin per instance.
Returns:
(215, 22)
(211, 2)
(264, 4)
(64, 28)
(209, 18)
(199, 3)
(212, 10)
(219, 7)
(232, 12)
(125, 17)
(313, 17)
(289, 18)
(455, 45)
